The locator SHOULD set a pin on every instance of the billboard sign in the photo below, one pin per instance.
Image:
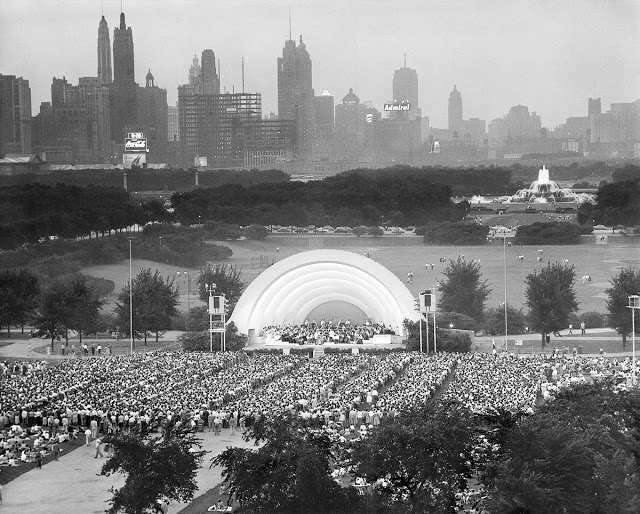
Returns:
(397, 106)
(135, 145)
(135, 135)
(131, 159)
(200, 162)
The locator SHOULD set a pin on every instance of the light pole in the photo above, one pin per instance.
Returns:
(211, 288)
(504, 258)
(130, 300)
(634, 303)
(186, 273)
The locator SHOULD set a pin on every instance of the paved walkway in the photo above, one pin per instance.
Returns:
(73, 484)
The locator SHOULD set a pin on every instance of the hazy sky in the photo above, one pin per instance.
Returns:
(550, 55)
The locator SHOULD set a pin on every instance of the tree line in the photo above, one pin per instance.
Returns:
(406, 197)
(550, 297)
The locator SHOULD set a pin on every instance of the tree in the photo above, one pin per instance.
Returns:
(289, 473)
(19, 290)
(625, 284)
(463, 291)
(576, 454)
(157, 468)
(494, 321)
(359, 231)
(84, 305)
(375, 231)
(155, 301)
(420, 455)
(554, 233)
(227, 280)
(256, 232)
(55, 310)
(456, 233)
(551, 298)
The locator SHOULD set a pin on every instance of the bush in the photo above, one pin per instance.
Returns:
(554, 233)
(375, 231)
(194, 341)
(456, 233)
(458, 320)
(256, 232)
(453, 341)
(494, 321)
(591, 319)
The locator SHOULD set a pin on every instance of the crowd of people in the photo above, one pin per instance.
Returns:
(312, 332)
(42, 406)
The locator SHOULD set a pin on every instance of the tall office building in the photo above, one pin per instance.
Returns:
(455, 109)
(75, 126)
(209, 76)
(349, 125)
(405, 89)
(194, 72)
(295, 95)
(152, 113)
(15, 115)
(324, 127)
(104, 53)
(124, 111)
(595, 106)
(173, 133)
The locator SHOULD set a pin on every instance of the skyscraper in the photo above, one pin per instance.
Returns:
(194, 72)
(455, 109)
(295, 95)
(152, 113)
(209, 76)
(124, 111)
(104, 53)
(15, 115)
(324, 127)
(405, 89)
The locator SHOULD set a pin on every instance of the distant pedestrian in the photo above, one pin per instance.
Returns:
(39, 459)
(56, 450)
(570, 329)
(98, 450)
(582, 327)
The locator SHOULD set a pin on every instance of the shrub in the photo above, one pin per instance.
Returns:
(194, 341)
(554, 233)
(591, 319)
(456, 233)
(453, 341)
(256, 232)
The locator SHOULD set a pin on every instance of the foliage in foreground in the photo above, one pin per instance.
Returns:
(157, 467)
(288, 473)
(579, 454)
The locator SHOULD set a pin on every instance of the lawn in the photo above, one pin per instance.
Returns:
(404, 254)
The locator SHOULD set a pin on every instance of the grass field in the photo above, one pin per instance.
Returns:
(403, 254)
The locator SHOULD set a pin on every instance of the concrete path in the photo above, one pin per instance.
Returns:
(73, 484)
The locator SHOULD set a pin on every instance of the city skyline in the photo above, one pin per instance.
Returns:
(550, 57)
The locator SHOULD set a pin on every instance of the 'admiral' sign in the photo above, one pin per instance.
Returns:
(135, 145)
(396, 107)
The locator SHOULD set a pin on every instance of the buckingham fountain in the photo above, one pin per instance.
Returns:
(545, 191)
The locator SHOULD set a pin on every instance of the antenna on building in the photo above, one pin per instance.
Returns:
(102, 8)
(289, 22)
(243, 74)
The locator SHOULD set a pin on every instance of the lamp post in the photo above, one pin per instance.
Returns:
(186, 274)
(130, 300)
(211, 288)
(634, 303)
(504, 258)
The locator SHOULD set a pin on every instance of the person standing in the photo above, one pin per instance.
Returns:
(98, 450)
(582, 327)
(38, 459)
(56, 450)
